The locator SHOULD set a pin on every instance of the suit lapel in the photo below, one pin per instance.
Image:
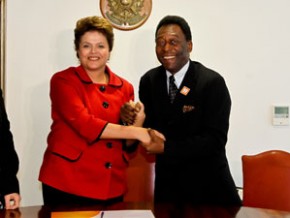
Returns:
(187, 86)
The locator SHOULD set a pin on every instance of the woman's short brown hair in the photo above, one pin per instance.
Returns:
(93, 23)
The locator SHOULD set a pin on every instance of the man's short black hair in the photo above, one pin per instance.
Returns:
(173, 19)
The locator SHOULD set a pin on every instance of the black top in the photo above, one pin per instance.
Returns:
(9, 162)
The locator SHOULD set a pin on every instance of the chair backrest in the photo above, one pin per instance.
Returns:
(140, 177)
(266, 178)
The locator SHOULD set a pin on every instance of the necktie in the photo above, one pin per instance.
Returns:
(172, 88)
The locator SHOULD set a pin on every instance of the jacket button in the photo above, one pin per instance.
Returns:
(105, 104)
(108, 165)
(102, 88)
(109, 145)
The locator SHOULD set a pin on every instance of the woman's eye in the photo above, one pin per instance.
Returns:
(85, 46)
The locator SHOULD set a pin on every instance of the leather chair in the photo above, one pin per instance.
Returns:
(140, 177)
(266, 178)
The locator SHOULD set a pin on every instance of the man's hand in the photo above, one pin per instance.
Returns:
(156, 145)
(128, 113)
(12, 201)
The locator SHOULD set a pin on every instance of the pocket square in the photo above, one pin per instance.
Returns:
(187, 108)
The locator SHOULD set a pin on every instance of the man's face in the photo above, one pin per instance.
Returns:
(171, 48)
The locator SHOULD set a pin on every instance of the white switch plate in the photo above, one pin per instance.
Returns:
(280, 115)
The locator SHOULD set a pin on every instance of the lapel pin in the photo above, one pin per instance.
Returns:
(185, 90)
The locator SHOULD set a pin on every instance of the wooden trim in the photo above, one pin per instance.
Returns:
(2, 43)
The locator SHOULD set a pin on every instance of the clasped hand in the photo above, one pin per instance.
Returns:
(133, 114)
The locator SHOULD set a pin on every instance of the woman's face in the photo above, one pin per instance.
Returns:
(93, 51)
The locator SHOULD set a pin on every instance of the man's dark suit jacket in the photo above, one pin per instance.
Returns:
(194, 165)
(8, 157)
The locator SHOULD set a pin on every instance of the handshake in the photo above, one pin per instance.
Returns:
(132, 114)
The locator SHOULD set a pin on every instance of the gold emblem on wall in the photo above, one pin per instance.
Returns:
(126, 14)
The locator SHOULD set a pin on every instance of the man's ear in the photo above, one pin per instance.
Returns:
(189, 46)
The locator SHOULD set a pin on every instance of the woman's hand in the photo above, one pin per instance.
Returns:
(139, 114)
(155, 145)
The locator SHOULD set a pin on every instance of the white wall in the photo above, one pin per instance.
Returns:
(246, 41)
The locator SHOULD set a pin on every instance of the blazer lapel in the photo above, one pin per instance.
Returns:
(187, 86)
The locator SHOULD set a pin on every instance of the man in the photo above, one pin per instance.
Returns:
(191, 164)
(9, 187)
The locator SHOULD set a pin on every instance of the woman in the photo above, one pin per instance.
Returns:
(9, 163)
(85, 160)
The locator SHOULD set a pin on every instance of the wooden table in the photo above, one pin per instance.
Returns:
(160, 211)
